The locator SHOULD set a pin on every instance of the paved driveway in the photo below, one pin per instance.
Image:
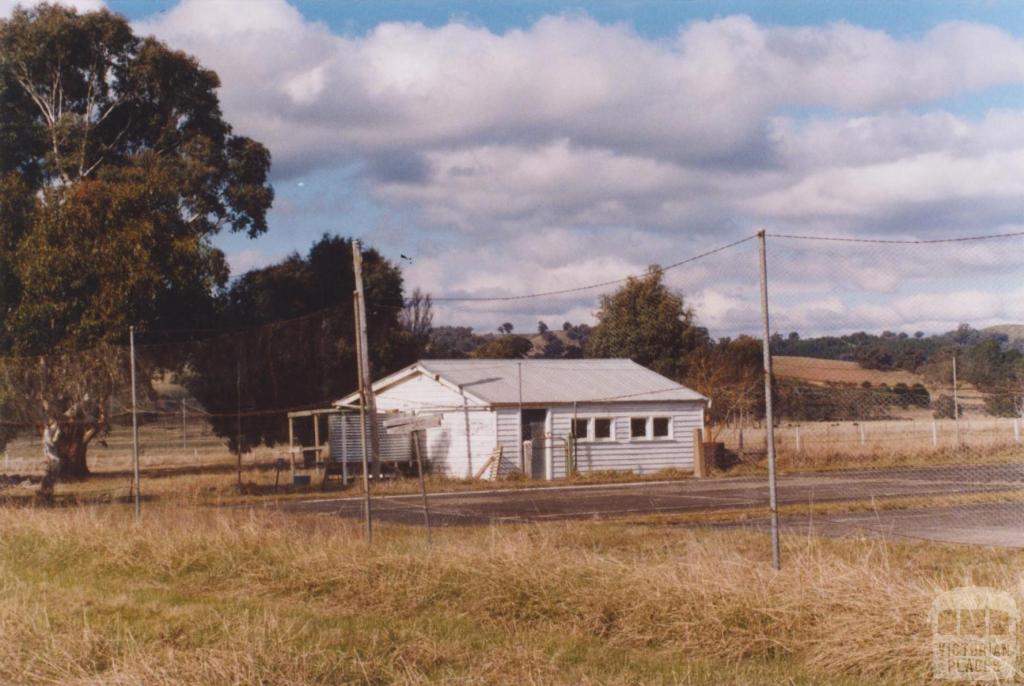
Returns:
(614, 500)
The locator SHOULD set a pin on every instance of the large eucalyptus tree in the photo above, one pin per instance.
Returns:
(116, 169)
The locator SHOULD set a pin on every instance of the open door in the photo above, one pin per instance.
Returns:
(535, 430)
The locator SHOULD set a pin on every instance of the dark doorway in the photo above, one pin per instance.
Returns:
(535, 430)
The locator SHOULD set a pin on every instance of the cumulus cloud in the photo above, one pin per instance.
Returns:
(246, 260)
(570, 151)
(706, 96)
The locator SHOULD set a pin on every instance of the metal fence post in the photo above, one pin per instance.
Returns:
(956, 404)
(135, 426)
(769, 415)
(184, 427)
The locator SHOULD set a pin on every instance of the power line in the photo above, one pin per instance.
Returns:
(888, 241)
(577, 289)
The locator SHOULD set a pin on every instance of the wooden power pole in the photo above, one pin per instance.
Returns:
(370, 401)
(769, 415)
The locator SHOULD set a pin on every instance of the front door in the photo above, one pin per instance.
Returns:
(538, 455)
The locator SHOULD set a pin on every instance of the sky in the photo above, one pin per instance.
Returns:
(494, 149)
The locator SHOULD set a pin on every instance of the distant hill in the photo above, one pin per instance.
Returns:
(1013, 332)
(818, 371)
(571, 346)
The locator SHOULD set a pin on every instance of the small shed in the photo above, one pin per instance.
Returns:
(543, 416)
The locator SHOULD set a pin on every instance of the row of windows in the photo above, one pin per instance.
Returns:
(601, 428)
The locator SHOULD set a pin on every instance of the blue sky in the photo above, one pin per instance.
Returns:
(512, 147)
(653, 19)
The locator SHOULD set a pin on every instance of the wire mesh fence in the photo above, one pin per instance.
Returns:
(878, 422)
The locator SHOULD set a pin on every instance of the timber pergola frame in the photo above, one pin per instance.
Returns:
(317, 448)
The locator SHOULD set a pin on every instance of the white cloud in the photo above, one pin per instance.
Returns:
(246, 260)
(570, 152)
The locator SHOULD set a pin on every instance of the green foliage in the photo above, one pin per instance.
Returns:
(731, 373)
(944, 407)
(127, 169)
(452, 342)
(1004, 404)
(506, 347)
(116, 169)
(647, 322)
(802, 401)
(554, 348)
(298, 348)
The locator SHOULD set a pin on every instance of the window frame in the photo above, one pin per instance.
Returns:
(670, 432)
(647, 426)
(648, 435)
(588, 424)
(610, 438)
(592, 436)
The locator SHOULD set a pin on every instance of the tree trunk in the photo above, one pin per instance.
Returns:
(64, 454)
(65, 449)
(73, 466)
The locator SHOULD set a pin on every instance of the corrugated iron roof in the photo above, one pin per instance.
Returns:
(558, 381)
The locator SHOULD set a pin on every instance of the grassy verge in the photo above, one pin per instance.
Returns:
(198, 596)
(218, 484)
(738, 515)
(794, 463)
(258, 485)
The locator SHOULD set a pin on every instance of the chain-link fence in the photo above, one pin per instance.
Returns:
(883, 403)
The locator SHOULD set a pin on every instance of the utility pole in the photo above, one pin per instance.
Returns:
(522, 452)
(769, 415)
(367, 510)
(369, 401)
(423, 486)
(238, 413)
(135, 427)
(956, 404)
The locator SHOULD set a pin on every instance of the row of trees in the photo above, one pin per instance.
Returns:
(117, 168)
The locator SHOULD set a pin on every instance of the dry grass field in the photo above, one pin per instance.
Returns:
(890, 442)
(196, 596)
(814, 370)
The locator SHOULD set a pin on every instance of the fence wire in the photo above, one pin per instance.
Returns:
(870, 425)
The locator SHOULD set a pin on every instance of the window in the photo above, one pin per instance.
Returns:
(661, 427)
(646, 428)
(593, 429)
(602, 428)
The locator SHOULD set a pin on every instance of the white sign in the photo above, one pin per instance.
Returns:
(974, 635)
(406, 425)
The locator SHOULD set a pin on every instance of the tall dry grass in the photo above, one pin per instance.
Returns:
(188, 596)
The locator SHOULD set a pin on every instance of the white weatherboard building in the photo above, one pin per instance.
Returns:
(625, 416)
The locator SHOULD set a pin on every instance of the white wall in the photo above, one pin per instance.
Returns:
(450, 454)
(509, 439)
(449, 451)
(623, 453)
(446, 447)
(421, 394)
